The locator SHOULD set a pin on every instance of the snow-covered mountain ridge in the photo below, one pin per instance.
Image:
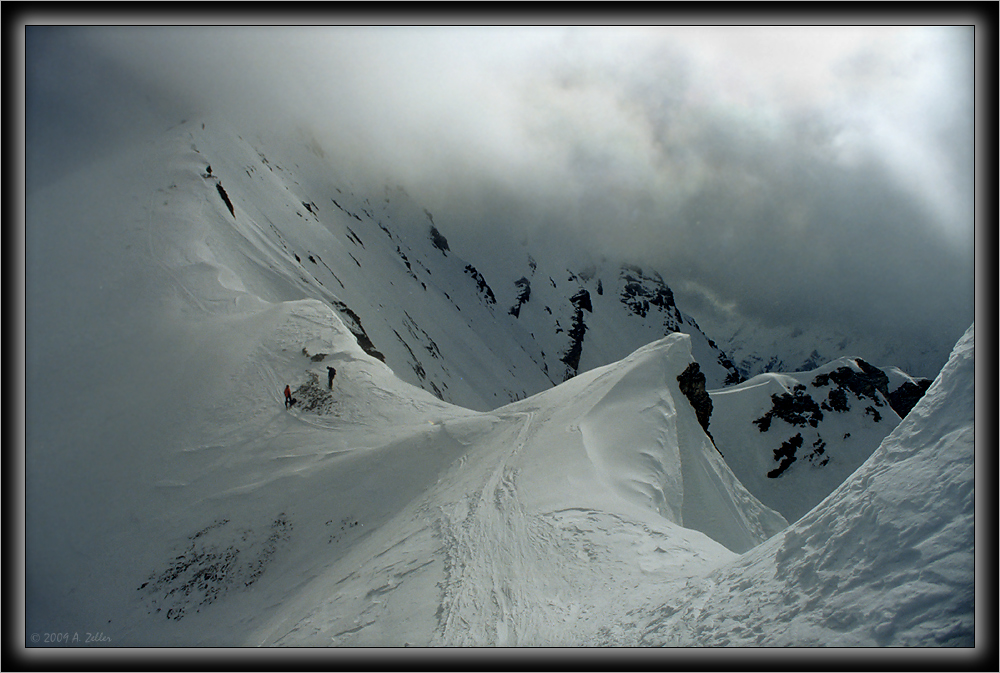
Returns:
(171, 499)
(433, 316)
(552, 314)
(435, 319)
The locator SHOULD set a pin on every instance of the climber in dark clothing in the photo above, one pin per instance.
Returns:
(331, 372)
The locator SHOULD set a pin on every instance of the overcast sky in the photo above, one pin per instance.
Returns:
(789, 174)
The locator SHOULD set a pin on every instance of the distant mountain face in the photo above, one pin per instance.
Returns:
(380, 260)
(792, 438)
(756, 349)
(589, 317)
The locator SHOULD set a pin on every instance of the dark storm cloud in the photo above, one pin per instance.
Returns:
(790, 175)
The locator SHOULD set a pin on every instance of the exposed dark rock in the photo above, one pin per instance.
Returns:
(523, 295)
(812, 362)
(225, 197)
(867, 383)
(905, 397)
(354, 324)
(415, 365)
(797, 408)
(481, 284)
(439, 241)
(354, 237)
(692, 385)
(216, 560)
(734, 376)
(314, 397)
(836, 401)
(640, 293)
(581, 300)
(817, 456)
(785, 455)
(571, 358)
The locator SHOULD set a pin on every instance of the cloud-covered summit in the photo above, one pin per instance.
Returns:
(785, 175)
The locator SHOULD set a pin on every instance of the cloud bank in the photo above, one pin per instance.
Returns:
(789, 175)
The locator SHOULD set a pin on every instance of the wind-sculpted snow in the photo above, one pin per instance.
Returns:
(887, 559)
(560, 505)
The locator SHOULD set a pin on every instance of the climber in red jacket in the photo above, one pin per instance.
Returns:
(288, 397)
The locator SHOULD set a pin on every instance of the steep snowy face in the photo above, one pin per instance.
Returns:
(292, 223)
(793, 438)
(887, 559)
(641, 436)
(584, 315)
(309, 229)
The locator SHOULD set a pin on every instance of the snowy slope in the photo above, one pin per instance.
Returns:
(793, 438)
(583, 314)
(309, 233)
(314, 229)
(171, 499)
(154, 402)
(550, 527)
(887, 559)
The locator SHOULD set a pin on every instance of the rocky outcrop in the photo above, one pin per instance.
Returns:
(571, 358)
(847, 386)
(438, 240)
(795, 408)
(906, 396)
(867, 383)
(692, 385)
(523, 295)
(641, 293)
(225, 198)
(353, 322)
(481, 284)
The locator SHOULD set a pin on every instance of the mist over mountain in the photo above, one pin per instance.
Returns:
(779, 179)
(509, 423)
